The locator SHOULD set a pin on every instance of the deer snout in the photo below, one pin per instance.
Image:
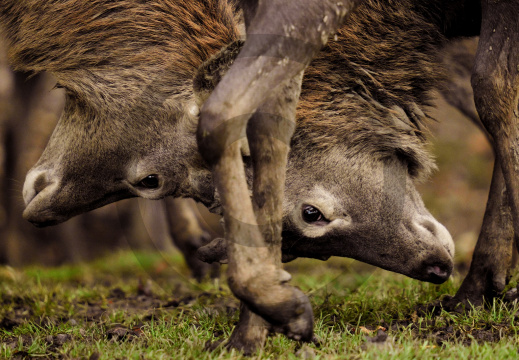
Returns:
(437, 263)
(438, 234)
(35, 182)
(37, 190)
(437, 269)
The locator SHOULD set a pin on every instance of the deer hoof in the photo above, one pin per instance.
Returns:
(285, 308)
(300, 326)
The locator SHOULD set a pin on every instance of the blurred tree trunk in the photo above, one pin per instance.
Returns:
(6, 94)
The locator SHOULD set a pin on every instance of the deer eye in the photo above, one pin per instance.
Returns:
(311, 214)
(149, 182)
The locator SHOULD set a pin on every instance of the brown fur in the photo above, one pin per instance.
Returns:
(103, 33)
(373, 78)
(125, 64)
(370, 89)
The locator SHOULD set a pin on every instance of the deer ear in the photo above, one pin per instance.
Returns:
(211, 72)
(408, 121)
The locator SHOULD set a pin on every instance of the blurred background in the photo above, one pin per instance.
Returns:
(29, 108)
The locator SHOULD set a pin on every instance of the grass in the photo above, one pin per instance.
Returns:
(144, 306)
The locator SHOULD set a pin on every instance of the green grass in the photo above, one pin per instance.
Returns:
(144, 306)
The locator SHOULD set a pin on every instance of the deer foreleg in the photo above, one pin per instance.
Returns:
(492, 257)
(253, 229)
(282, 38)
(269, 132)
(495, 81)
(253, 274)
(188, 233)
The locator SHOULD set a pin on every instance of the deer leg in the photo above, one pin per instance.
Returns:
(492, 257)
(269, 132)
(491, 261)
(252, 272)
(495, 81)
(247, 253)
(282, 39)
(188, 233)
(458, 60)
(255, 273)
(265, 61)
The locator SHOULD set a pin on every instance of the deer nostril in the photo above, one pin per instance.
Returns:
(40, 183)
(436, 270)
(429, 226)
(438, 273)
(35, 182)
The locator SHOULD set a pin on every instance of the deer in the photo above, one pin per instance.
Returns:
(245, 94)
(238, 98)
(109, 155)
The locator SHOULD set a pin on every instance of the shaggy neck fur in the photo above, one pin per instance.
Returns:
(59, 35)
(366, 90)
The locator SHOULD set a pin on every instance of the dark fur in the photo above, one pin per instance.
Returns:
(369, 90)
(386, 85)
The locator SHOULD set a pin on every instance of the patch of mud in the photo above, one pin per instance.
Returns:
(440, 330)
(122, 333)
(14, 342)
(20, 310)
(490, 332)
